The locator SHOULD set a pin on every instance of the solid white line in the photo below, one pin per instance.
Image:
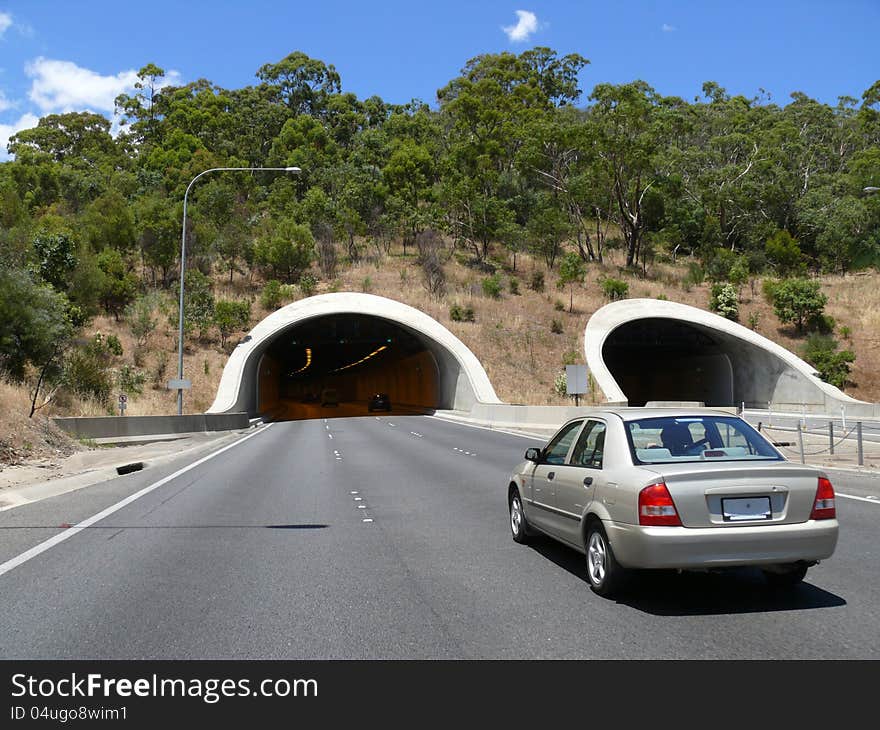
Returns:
(80, 526)
(861, 499)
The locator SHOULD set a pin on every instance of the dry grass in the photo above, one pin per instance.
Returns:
(26, 439)
(511, 336)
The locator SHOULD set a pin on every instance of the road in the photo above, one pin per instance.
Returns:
(384, 537)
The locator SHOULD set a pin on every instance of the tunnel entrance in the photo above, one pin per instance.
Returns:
(355, 345)
(335, 365)
(657, 359)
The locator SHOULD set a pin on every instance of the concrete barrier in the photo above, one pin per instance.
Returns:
(95, 427)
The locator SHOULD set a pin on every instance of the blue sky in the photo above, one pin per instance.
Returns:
(63, 55)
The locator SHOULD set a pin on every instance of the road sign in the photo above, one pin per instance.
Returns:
(123, 398)
(179, 384)
(576, 380)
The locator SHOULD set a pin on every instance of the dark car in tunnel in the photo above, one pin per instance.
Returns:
(379, 402)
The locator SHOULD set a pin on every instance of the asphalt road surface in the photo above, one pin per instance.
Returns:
(384, 537)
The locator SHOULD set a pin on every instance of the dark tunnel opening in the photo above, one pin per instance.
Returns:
(656, 359)
(334, 365)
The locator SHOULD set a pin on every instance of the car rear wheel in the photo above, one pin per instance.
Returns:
(786, 576)
(519, 526)
(605, 574)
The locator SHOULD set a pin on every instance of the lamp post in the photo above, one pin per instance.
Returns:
(180, 382)
(870, 190)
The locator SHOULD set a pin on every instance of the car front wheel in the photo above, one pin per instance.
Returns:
(605, 574)
(519, 527)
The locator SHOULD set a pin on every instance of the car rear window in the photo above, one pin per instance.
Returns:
(696, 438)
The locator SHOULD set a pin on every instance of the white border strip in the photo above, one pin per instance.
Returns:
(861, 499)
(70, 532)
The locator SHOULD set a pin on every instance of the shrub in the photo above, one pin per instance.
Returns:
(513, 286)
(845, 332)
(799, 302)
(139, 315)
(615, 289)
(307, 284)
(725, 301)
(754, 317)
(570, 357)
(820, 350)
(536, 281)
(87, 371)
(270, 297)
(130, 379)
(460, 313)
(694, 277)
(784, 254)
(230, 316)
(367, 285)
(560, 384)
(559, 306)
(492, 286)
(556, 327)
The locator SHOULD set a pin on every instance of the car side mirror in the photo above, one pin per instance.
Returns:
(533, 455)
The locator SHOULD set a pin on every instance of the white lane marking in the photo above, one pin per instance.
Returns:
(392, 425)
(362, 506)
(330, 435)
(367, 519)
(80, 526)
(353, 493)
(869, 500)
(417, 435)
(358, 499)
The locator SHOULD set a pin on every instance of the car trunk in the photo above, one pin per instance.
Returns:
(740, 494)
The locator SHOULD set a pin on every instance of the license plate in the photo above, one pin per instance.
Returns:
(746, 508)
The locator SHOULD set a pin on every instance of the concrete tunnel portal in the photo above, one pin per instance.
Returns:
(354, 345)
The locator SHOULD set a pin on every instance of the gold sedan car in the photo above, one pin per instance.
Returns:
(639, 488)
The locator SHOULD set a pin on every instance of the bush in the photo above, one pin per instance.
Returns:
(87, 371)
(308, 285)
(799, 302)
(784, 254)
(694, 277)
(615, 289)
(556, 327)
(459, 313)
(754, 318)
(560, 384)
(559, 306)
(536, 281)
(820, 350)
(230, 316)
(513, 286)
(270, 297)
(492, 286)
(130, 379)
(570, 357)
(139, 315)
(725, 301)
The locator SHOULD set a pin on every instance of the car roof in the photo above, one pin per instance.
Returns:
(626, 413)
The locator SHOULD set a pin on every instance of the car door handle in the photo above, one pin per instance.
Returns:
(551, 476)
(588, 481)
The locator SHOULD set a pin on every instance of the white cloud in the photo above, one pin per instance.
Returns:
(5, 23)
(26, 121)
(524, 28)
(666, 28)
(5, 103)
(62, 86)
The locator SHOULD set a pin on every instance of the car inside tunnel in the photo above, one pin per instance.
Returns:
(334, 365)
(655, 359)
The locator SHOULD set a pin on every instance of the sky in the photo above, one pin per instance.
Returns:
(65, 55)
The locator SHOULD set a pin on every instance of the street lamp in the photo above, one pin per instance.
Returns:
(870, 190)
(180, 382)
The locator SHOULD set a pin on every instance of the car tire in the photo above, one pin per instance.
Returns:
(605, 574)
(519, 526)
(792, 576)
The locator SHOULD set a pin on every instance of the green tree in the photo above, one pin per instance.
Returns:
(55, 258)
(229, 316)
(832, 364)
(784, 254)
(798, 302)
(118, 286)
(287, 248)
(572, 270)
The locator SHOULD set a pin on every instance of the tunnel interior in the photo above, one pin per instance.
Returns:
(346, 358)
(657, 359)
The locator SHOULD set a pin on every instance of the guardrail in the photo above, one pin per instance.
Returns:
(839, 441)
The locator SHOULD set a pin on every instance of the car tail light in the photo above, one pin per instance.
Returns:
(656, 506)
(823, 507)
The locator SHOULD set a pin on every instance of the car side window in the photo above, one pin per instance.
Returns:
(590, 446)
(557, 449)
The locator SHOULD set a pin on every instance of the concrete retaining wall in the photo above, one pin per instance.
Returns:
(95, 427)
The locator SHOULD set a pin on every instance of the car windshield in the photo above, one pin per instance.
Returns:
(696, 438)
